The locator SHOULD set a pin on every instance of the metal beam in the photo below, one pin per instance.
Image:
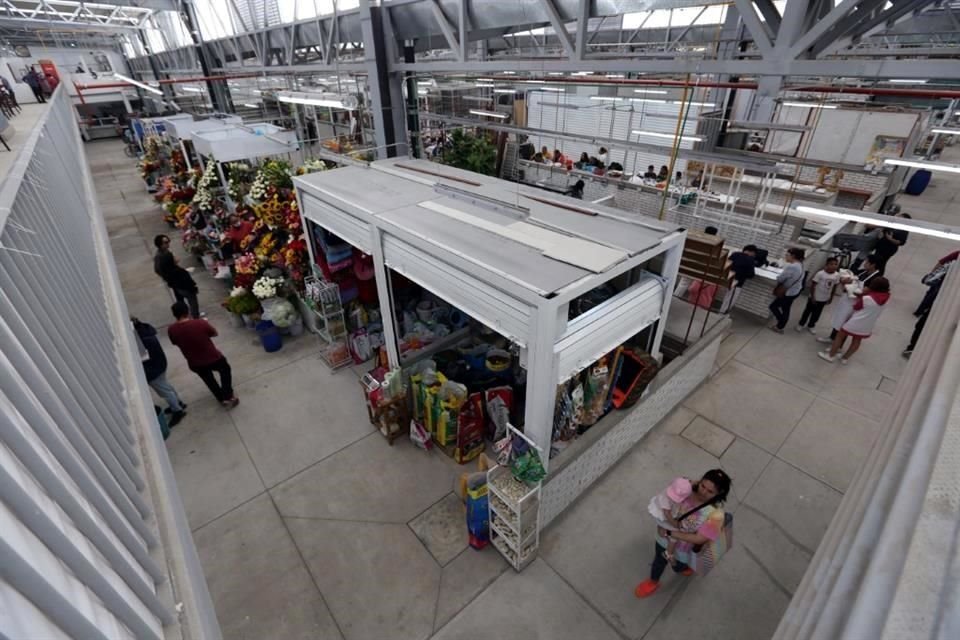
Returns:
(808, 39)
(932, 69)
(446, 28)
(583, 21)
(559, 28)
(791, 25)
(887, 16)
(770, 13)
(754, 26)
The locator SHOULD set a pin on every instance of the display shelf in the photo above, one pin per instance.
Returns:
(514, 512)
(408, 358)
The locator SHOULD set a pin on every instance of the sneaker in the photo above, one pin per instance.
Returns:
(825, 355)
(231, 403)
(907, 352)
(176, 418)
(844, 361)
(687, 572)
(646, 588)
(799, 328)
(183, 407)
(825, 340)
(776, 329)
(812, 331)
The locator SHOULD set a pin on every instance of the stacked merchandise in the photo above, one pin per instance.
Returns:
(615, 381)
(514, 499)
(448, 412)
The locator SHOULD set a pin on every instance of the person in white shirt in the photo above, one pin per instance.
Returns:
(822, 287)
(604, 156)
(866, 311)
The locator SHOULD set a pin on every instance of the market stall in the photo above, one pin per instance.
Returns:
(181, 129)
(243, 142)
(511, 261)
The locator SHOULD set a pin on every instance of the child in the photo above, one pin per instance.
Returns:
(866, 312)
(667, 506)
(821, 292)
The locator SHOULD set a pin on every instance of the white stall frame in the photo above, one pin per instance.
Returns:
(181, 128)
(380, 210)
(233, 143)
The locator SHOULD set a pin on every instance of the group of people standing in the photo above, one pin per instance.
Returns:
(854, 315)
(190, 332)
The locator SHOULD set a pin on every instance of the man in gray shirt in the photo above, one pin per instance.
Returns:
(788, 288)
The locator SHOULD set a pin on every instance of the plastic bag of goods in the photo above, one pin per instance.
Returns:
(478, 511)
(499, 401)
(419, 436)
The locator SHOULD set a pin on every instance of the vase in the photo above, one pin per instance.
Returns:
(268, 304)
(296, 328)
(237, 321)
(248, 320)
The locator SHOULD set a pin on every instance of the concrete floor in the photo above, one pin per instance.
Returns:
(21, 125)
(309, 526)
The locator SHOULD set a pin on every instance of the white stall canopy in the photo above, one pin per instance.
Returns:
(229, 144)
(185, 126)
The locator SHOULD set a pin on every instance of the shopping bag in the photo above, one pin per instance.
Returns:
(711, 552)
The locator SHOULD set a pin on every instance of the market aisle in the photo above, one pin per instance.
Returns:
(309, 526)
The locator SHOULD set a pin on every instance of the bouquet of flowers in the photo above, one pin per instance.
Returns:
(267, 287)
(310, 166)
(239, 177)
(203, 198)
(241, 302)
(247, 264)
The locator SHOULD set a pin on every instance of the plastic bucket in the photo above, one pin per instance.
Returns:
(269, 336)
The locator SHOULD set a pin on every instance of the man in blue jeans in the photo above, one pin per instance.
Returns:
(155, 368)
(788, 288)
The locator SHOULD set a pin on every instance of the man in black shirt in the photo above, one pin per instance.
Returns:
(177, 278)
(740, 268)
(155, 368)
(889, 243)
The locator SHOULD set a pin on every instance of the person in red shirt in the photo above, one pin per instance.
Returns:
(193, 337)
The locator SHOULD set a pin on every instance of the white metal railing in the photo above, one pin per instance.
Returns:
(94, 542)
(889, 564)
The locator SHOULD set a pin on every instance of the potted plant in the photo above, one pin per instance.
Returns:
(242, 304)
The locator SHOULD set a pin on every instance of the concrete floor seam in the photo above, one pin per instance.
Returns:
(583, 598)
(306, 565)
(783, 589)
(786, 534)
(315, 463)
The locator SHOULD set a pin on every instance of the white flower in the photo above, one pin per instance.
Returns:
(237, 292)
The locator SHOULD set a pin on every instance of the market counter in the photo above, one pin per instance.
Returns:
(593, 453)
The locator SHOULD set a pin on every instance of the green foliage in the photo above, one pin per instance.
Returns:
(471, 152)
(244, 304)
(277, 173)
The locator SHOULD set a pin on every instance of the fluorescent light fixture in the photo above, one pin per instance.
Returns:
(489, 114)
(615, 75)
(504, 91)
(422, 92)
(694, 104)
(809, 105)
(946, 132)
(553, 89)
(583, 73)
(669, 136)
(509, 73)
(654, 100)
(255, 91)
(137, 83)
(889, 222)
(920, 164)
(484, 84)
(534, 81)
(331, 100)
(251, 106)
(555, 73)
(607, 98)
(484, 80)
(907, 81)
(657, 91)
(192, 89)
(430, 82)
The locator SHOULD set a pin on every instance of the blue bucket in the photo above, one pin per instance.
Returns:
(269, 336)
